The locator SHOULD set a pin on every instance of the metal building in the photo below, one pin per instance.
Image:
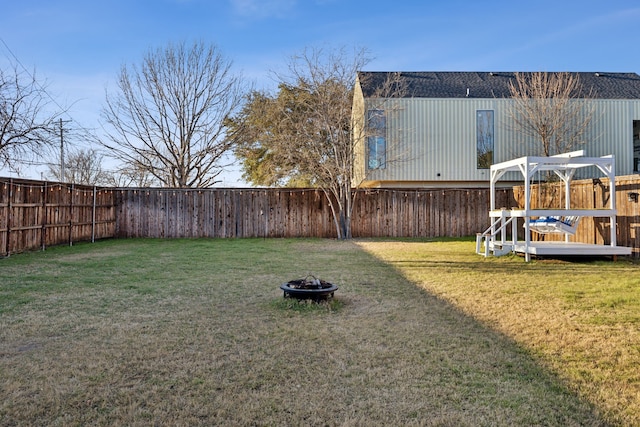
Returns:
(445, 129)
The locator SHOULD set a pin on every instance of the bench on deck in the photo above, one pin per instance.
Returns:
(555, 224)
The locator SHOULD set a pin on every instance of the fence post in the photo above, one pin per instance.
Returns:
(43, 234)
(9, 217)
(71, 215)
(93, 217)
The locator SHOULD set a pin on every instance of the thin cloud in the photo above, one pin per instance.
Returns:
(262, 9)
(587, 27)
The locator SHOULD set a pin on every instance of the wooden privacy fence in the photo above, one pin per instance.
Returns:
(171, 213)
(423, 213)
(593, 194)
(36, 214)
(300, 213)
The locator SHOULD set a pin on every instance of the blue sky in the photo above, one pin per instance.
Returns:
(78, 46)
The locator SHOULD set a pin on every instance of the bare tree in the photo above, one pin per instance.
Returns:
(305, 134)
(130, 176)
(25, 125)
(81, 167)
(552, 108)
(167, 116)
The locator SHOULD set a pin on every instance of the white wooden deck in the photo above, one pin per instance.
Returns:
(500, 237)
(570, 248)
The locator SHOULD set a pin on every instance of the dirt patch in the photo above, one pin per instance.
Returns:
(93, 255)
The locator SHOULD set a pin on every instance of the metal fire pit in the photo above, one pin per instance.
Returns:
(308, 288)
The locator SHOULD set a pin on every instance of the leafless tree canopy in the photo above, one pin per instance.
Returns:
(552, 108)
(25, 126)
(129, 176)
(167, 116)
(81, 167)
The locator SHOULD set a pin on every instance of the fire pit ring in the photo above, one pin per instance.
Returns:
(308, 288)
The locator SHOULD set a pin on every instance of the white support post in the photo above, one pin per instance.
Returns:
(612, 201)
(567, 196)
(492, 200)
(527, 207)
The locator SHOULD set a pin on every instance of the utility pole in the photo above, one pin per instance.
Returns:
(62, 149)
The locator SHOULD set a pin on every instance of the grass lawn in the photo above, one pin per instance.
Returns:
(196, 332)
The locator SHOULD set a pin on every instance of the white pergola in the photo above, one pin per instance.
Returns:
(564, 166)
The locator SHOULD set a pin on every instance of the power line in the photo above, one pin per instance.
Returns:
(57, 165)
(33, 77)
(42, 88)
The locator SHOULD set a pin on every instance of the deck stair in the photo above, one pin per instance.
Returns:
(493, 241)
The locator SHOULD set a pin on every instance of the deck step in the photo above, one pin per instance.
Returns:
(499, 249)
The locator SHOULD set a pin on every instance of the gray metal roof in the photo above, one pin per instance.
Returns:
(448, 84)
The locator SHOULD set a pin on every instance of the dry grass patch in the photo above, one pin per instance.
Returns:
(195, 332)
(581, 317)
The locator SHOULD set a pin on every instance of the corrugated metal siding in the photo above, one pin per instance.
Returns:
(427, 137)
(612, 133)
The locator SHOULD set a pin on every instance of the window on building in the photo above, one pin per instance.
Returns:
(484, 135)
(376, 139)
